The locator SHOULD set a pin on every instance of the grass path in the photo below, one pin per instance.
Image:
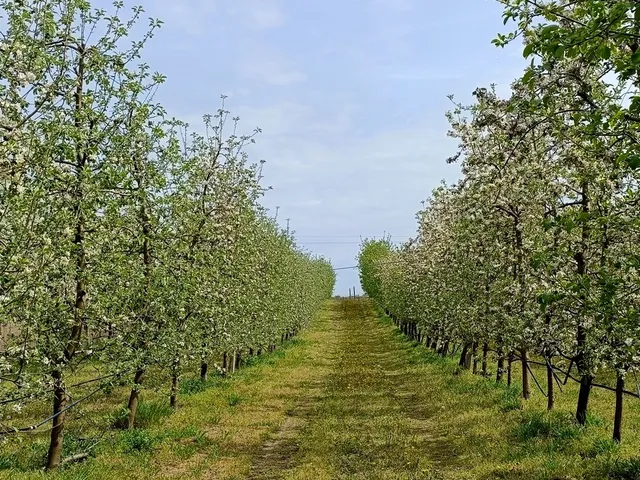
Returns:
(371, 422)
(353, 399)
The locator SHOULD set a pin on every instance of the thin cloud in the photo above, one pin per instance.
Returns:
(264, 15)
(200, 17)
(424, 75)
(272, 72)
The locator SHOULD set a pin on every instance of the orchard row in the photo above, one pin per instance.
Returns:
(126, 242)
(534, 254)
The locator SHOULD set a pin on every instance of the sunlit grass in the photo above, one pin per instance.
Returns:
(349, 399)
(218, 427)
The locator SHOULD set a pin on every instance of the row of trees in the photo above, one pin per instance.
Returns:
(535, 252)
(126, 242)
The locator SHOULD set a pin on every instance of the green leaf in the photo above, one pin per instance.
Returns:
(558, 52)
(548, 30)
(527, 78)
(633, 161)
(604, 52)
(569, 225)
(528, 50)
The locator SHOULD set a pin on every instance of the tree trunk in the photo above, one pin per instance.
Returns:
(233, 362)
(463, 356)
(59, 403)
(173, 400)
(204, 368)
(509, 363)
(550, 393)
(581, 335)
(617, 418)
(526, 386)
(470, 355)
(485, 351)
(500, 368)
(134, 398)
(79, 215)
(473, 357)
(583, 398)
(147, 261)
(445, 348)
(79, 321)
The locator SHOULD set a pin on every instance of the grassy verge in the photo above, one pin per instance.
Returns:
(216, 432)
(497, 435)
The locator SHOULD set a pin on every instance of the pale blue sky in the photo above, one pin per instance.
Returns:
(350, 95)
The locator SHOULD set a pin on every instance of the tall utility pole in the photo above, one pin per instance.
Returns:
(288, 219)
(277, 209)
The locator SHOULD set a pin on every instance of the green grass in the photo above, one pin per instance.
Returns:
(503, 436)
(136, 441)
(351, 398)
(215, 419)
(234, 399)
(148, 414)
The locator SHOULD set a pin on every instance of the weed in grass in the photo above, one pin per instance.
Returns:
(536, 425)
(253, 361)
(474, 386)
(233, 399)
(118, 419)
(602, 447)
(185, 442)
(432, 357)
(277, 354)
(594, 420)
(148, 414)
(136, 441)
(190, 432)
(31, 457)
(74, 445)
(510, 400)
(191, 386)
(6, 462)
